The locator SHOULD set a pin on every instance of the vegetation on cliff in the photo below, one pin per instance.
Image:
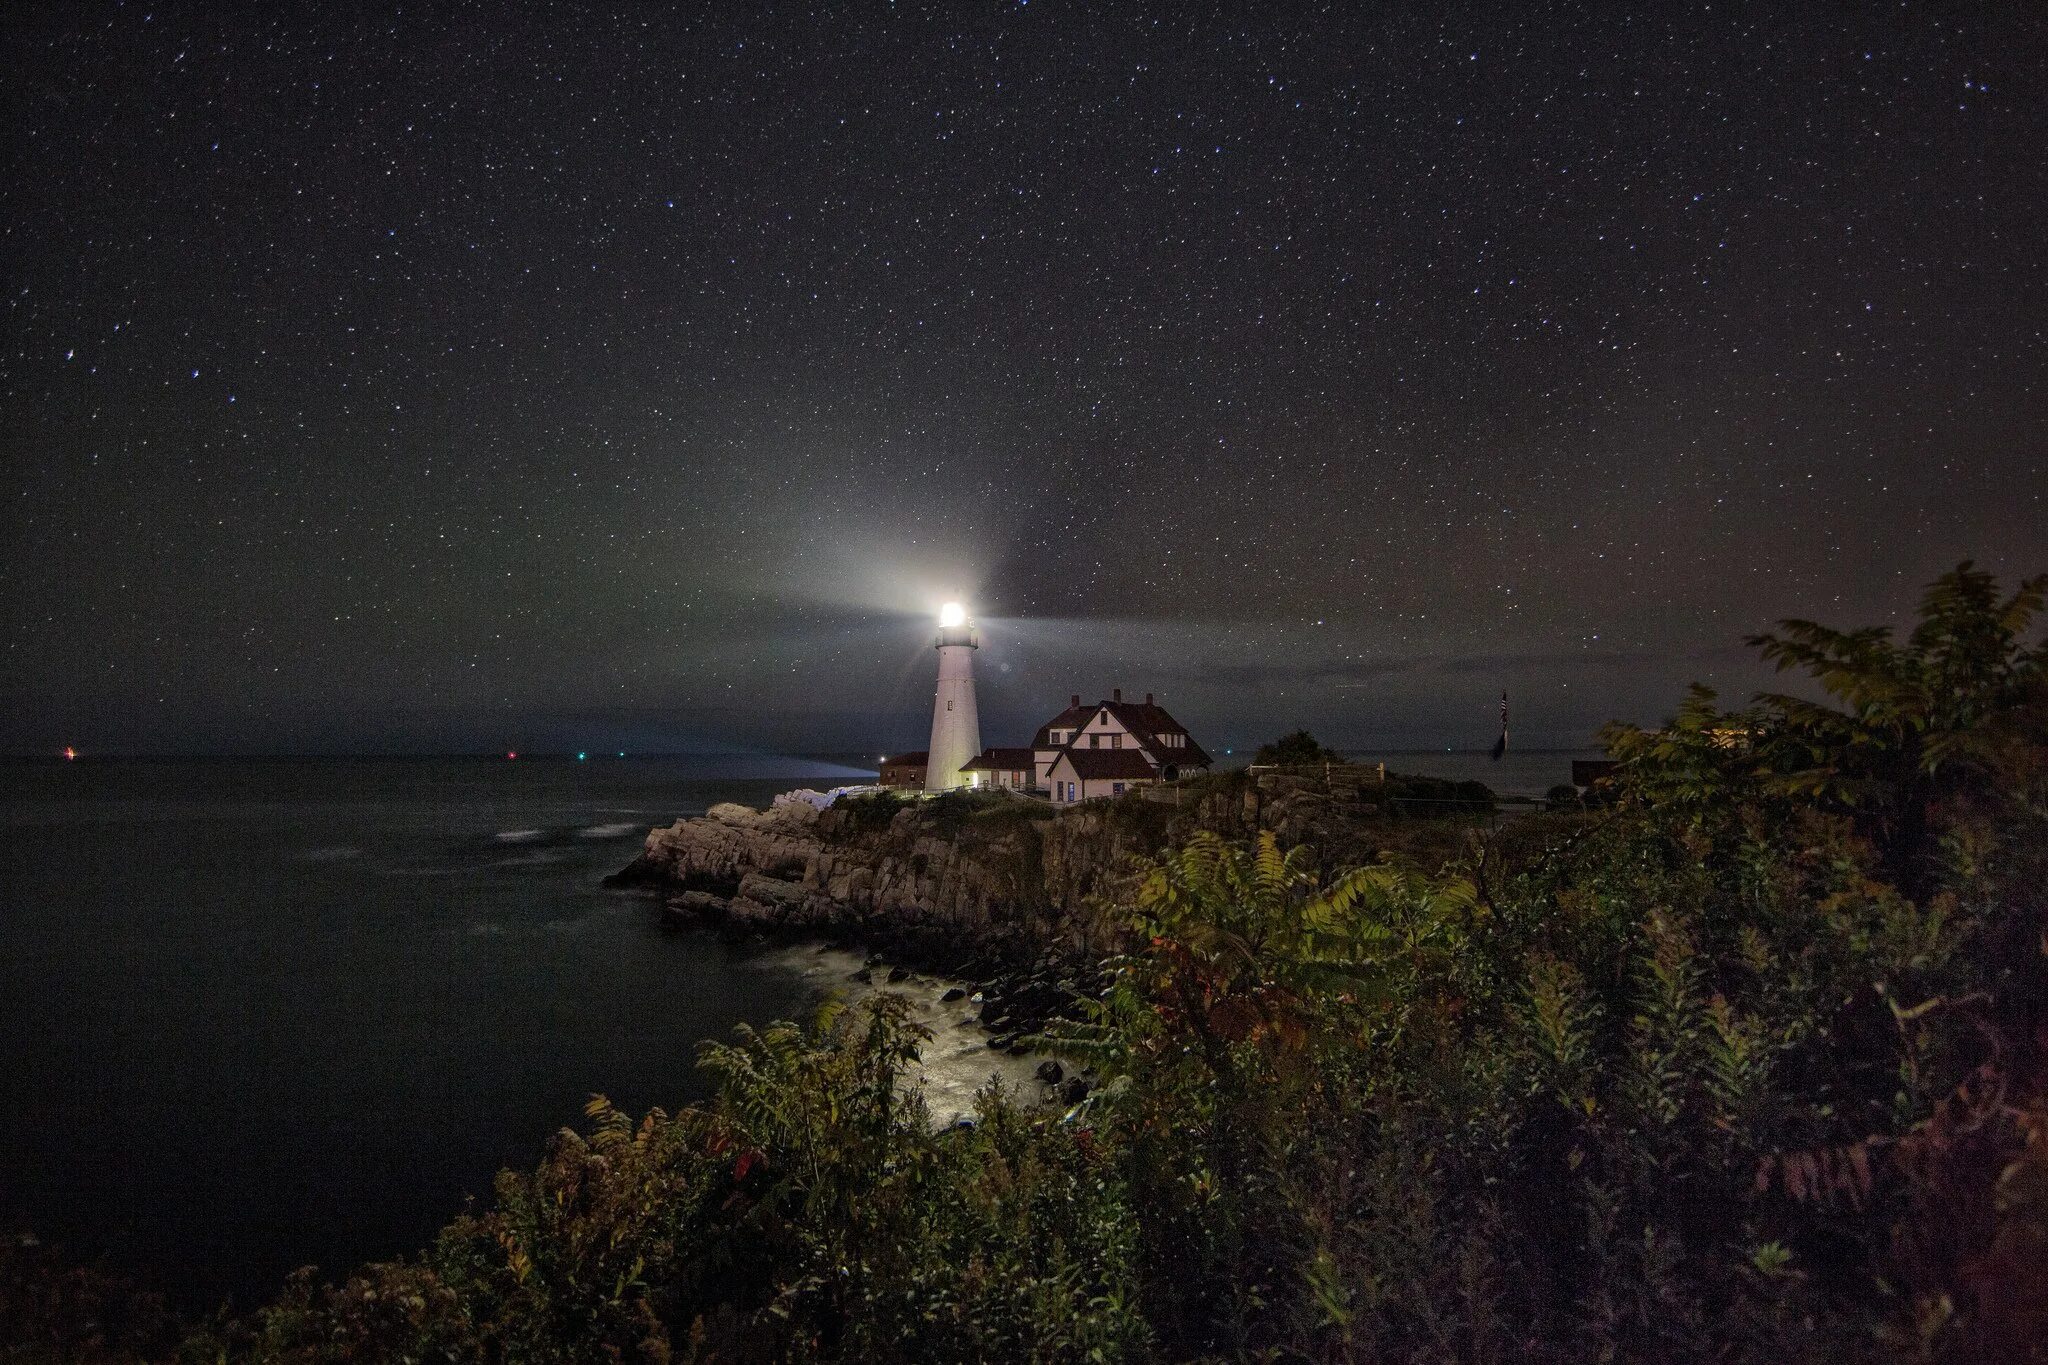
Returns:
(1299, 747)
(1750, 1065)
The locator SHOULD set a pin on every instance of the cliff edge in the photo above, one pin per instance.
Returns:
(985, 877)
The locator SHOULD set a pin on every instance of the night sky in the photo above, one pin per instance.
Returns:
(526, 376)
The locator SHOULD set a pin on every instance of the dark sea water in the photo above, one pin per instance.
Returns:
(259, 1014)
(256, 1014)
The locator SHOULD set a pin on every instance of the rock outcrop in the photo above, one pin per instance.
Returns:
(936, 887)
(981, 879)
(1021, 899)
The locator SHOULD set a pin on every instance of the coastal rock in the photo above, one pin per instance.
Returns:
(1014, 888)
(697, 905)
(770, 900)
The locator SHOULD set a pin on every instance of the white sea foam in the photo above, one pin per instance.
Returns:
(957, 1062)
(617, 830)
(519, 836)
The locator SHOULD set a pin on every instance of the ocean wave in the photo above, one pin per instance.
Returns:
(617, 830)
(519, 836)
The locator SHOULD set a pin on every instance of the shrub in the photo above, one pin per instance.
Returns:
(1299, 748)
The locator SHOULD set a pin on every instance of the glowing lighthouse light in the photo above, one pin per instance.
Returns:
(956, 728)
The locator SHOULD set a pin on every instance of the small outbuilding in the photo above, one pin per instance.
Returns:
(1002, 770)
(904, 770)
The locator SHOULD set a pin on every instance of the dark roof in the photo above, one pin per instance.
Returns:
(1103, 763)
(1148, 722)
(999, 759)
(1073, 718)
(916, 758)
(1144, 720)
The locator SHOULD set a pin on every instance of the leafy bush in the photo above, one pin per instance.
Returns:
(810, 1211)
(1298, 748)
(867, 813)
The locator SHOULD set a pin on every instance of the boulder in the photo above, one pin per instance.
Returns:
(699, 903)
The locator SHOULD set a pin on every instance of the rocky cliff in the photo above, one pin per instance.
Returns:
(938, 883)
(1005, 892)
(977, 876)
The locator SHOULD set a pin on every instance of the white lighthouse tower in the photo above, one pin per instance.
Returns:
(956, 727)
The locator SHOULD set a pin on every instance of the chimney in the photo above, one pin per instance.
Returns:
(1075, 701)
(1148, 699)
(1116, 694)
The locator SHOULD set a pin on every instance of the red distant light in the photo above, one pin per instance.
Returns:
(511, 754)
(70, 752)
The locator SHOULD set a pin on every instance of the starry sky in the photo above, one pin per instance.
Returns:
(461, 377)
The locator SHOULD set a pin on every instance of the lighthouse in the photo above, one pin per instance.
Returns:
(956, 727)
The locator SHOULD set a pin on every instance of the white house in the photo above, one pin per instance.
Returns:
(1102, 750)
(1091, 774)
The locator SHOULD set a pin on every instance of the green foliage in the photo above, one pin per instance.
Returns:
(868, 813)
(809, 1212)
(1297, 748)
(1431, 797)
(1915, 729)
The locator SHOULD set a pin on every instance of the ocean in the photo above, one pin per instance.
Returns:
(257, 1014)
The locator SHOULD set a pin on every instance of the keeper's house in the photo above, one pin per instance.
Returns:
(1088, 752)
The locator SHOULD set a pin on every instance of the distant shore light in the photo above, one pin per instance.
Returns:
(952, 614)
